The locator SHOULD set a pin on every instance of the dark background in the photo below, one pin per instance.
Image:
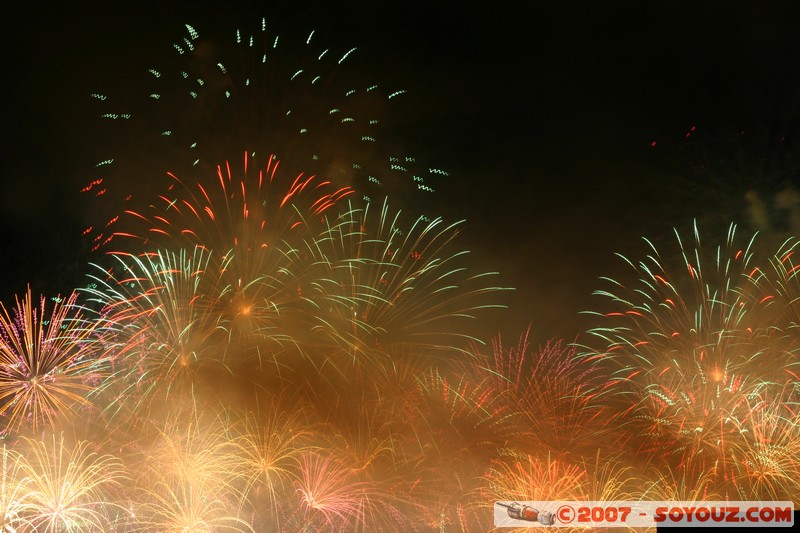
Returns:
(571, 129)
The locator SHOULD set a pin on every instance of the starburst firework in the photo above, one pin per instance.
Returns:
(50, 360)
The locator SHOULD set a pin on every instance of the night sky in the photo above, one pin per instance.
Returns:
(564, 124)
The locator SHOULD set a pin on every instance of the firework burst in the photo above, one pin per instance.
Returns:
(248, 227)
(330, 496)
(68, 486)
(530, 478)
(270, 445)
(240, 212)
(49, 361)
(13, 489)
(695, 359)
(767, 464)
(775, 292)
(550, 395)
(378, 281)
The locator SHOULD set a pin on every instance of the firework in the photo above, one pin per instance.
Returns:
(243, 212)
(248, 227)
(50, 360)
(452, 431)
(774, 291)
(530, 478)
(256, 90)
(664, 483)
(610, 477)
(695, 360)
(358, 323)
(768, 465)
(378, 282)
(67, 486)
(329, 496)
(187, 476)
(305, 269)
(550, 395)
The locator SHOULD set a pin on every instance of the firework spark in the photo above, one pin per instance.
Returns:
(550, 395)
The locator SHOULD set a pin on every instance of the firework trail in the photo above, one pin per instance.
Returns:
(159, 330)
(332, 496)
(50, 360)
(664, 483)
(540, 478)
(271, 442)
(531, 478)
(246, 226)
(509, 402)
(450, 430)
(173, 334)
(767, 464)
(695, 360)
(302, 267)
(245, 212)
(254, 90)
(774, 290)
(294, 258)
(282, 348)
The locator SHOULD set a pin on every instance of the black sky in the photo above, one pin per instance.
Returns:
(545, 113)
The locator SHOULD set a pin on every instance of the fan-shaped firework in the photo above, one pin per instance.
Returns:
(49, 361)
(775, 291)
(171, 331)
(377, 283)
(187, 478)
(270, 445)
(531, 478)
(67, 486)
(280, 347)
(249, 224)
(331, 497)
(550, 395)
(245, 212)
(159, 328)
(663, 483)
(695, 359)
(767, 465)
(334, 278)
